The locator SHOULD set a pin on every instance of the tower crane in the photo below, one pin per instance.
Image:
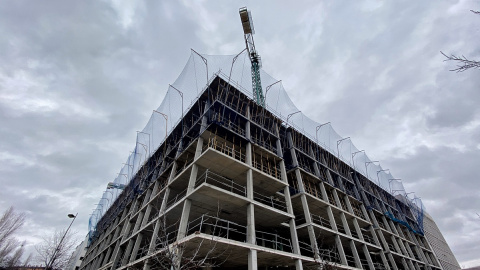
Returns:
(255, 59)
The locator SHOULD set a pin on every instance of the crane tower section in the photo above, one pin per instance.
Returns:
(248, 31)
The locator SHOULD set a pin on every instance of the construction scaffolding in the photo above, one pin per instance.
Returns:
(213, 99)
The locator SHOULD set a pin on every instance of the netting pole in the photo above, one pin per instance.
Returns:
(378, 179)
(366, 166)
(353, 157)
(338, 150)
(181, 95)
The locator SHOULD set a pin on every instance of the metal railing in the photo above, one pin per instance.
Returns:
(177, 198)
(272, 201)
(227, 184)
(321, 221)
(230, 230)
(270, 168)
(368, 239)
(221, 182)
(226, 149)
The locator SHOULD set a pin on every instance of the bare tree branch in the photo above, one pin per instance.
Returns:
(185, 255)
(462, 62)
(51, 246)
(11, 250)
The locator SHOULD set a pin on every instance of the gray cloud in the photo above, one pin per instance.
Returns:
(78, 79)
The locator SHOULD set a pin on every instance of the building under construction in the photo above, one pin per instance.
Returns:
(231, 174)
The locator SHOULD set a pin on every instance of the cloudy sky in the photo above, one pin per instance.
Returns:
(78, 79)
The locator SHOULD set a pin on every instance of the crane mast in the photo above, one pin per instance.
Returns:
(255, 59)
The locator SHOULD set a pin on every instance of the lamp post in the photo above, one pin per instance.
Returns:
(52, 259)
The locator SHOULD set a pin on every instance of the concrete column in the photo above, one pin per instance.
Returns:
(126, 230)
(331, 217)
(387, 225)
(138, 241)
(402, 247)
(404, 263)
(345, 224)
(399, 231)
(340, 249)
(146, 216)
(126, 255)
(251, 235)
(303, 198)
(365, 214)
(337, 199)
(182, 228)
(410, 251)
(288, 200)
(330, 178)
(395, 244)
(392, 261)
(107, 256)
(384, 260)
(368, 257)
(116, 255)
(349, 205)
(146, 265)
(324, 192)
(138, 222)
(358, 230)
(358, 263)
(410, 264)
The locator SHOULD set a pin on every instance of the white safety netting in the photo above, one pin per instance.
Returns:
(235, 69)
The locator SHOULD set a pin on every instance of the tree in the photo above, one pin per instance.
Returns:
(169, 254)
(55, 251)
(462, 62)
(11, 249)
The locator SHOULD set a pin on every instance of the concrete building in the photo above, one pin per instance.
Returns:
(439, 245)
(77, 256)
(249, 187)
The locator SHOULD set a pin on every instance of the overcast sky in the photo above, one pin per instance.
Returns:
(79, 78)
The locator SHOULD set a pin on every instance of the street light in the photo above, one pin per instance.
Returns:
(52, 259)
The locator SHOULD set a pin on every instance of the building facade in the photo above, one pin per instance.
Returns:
(439, 245)
(235, 183)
